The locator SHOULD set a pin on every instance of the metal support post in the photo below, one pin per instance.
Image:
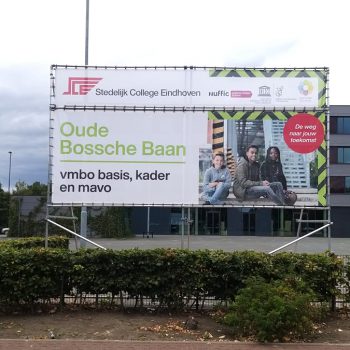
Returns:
(83, 226)
(148, 220)
(182, 227)
(74, 227)
(196, 221)
(281, 225)
(299, 228)
(189, 221)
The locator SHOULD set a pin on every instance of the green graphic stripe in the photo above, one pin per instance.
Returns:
(322, 118)
(293, 74)
(120, 161)
(211, 116)
(251, 115)
(302, 74)
(323, 99)
(260, 115)
(322, 185)
(283, 116)
(322, 174)
(321, 76)
(322, 200)
(322, 197)
(268, 73)
(322, 153)
(322, 177)
(321, 161)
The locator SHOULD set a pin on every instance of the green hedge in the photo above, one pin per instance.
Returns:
(28, 276)
(59, 242)
(168, 275)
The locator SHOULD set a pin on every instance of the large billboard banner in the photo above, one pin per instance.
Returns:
(189, 137)
(190, 88)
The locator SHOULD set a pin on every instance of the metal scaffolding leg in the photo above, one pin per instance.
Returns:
(83, 226)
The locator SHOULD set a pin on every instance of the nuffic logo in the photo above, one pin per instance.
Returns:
(81, 86)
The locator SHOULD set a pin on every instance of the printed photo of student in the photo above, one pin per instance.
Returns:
(271, 170)
(247, 184)
(217, 181)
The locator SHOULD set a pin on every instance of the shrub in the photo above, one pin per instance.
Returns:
(270, 311)
(57, 242)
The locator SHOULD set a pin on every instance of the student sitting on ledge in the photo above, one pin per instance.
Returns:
(247, 184)
(217, 181)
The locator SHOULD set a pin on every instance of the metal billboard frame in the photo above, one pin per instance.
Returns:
(324, 108)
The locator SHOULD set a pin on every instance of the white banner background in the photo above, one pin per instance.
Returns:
(76, 129)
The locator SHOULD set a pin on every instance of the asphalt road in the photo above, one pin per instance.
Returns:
(340, 246)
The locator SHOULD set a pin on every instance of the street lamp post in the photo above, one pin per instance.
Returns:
(9, 187)
(83, 214)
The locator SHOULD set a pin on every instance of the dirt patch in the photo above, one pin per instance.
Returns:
(116, 325)
(335, 329)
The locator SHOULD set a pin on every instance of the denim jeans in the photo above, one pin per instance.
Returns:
(273, 192)
(215, 195)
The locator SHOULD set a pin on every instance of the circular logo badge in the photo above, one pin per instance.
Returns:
(305, 87)
(303, 133)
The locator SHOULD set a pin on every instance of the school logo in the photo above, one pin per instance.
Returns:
(279, 91)
(264, 91)
(81, 86)
(305, 87)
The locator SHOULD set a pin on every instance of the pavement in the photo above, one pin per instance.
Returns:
(340, 246)
(156, 345)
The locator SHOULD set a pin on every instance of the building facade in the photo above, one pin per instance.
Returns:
(339, 172)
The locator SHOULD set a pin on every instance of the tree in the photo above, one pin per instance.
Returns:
(36, 189)
(33, 223)
(4, 207)
(112, 222)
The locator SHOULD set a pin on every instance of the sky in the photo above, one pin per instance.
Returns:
(251, 33)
